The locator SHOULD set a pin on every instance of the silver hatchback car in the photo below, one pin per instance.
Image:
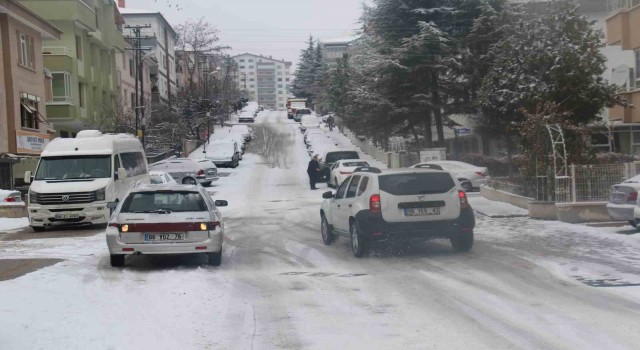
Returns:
(189, 171)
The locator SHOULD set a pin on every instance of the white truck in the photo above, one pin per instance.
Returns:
(77, 177)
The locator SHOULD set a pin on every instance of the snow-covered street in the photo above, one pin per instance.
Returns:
(526, 284)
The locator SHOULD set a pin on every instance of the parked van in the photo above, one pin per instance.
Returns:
(189, 171)
(77, 177)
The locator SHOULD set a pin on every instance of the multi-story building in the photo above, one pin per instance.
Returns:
(193, 71)
(127, 73)
(266, 80)
(162, 46)
(334, 49)
(623, 31)
(25, 86)
(82, 62)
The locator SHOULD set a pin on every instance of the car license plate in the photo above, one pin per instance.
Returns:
(67, 216)
(421, 211)
(163, 237)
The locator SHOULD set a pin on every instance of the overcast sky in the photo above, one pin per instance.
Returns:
(269, 27)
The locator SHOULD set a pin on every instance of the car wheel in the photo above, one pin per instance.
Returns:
(327, 233)
(117, 260)
(215, 259)
(467, 186)
(189, 181)
(38, 228)
(359, 245)
(206, 184)
(462, 242)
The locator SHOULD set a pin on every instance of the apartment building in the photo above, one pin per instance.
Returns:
(623, 30)
(82, 62)
(126, 79)
(25, 86)
(160, 45)
(265, 80)
(334, 49)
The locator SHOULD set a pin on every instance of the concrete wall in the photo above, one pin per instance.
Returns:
(502, 196)
(13, 211)
(583, 212)
(543, 210)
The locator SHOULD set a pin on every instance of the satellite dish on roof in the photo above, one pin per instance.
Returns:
(620, 75)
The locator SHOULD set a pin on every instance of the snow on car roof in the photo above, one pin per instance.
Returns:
(165, 187)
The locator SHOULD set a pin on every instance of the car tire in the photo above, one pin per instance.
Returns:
(359, 245)
(462, 242)
(116, 260)
(38, 228)
(215, 259)
(327, 232)
(189, 181)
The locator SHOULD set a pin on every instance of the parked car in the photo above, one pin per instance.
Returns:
(331, 156)
(239, 139)
(247, 118)
(300, 112)
(374, 205)
(243, 130)
(471, 176)
(225, 154)
(623, 199)
(309, 122)
(343, 169)
(77, 177)
(166, 219)
(189, 171)
(160, 178)
(10, 196)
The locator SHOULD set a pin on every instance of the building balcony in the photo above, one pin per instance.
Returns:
(58, 58)
(623, 24)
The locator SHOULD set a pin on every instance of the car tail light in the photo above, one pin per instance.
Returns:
(10, 199)
(200, 172)
(374, 203)
(464, 203)
(481, 173)
(346, 173)
(633, 196)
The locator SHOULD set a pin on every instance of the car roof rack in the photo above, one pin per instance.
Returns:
(368, 169)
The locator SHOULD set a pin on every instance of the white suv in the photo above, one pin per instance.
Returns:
(374, 205)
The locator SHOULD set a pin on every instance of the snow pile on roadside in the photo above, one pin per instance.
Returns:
(495, 209)
(9, 224)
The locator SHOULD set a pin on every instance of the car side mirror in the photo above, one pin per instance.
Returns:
(327, 195)
(122, 174)
(221, 203)
(112, 205)
(27, 177)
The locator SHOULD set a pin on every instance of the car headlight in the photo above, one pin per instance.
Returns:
(101, 194)
(33, 197)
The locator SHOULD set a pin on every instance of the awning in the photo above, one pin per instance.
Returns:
(29, 109)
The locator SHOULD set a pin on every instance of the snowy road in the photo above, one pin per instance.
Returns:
(526, 284)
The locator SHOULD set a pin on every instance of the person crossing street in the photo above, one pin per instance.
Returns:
(313, 170)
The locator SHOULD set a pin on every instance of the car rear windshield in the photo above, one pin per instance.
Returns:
(174, 201)
(155, 179)
(336, 156)
(355, 164)
(418, 183)
(303, 111)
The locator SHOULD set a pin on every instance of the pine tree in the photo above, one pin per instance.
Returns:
(305, 73)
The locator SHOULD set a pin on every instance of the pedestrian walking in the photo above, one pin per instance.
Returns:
(330, 122)
(313, 170)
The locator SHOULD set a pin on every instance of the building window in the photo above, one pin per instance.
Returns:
(79, 47)
(279, 79)
(61, 87)
(250, 60)
(287, 79)
(242, 60)
(252, 79)
(280, 86)
(81, 95)
(26, 51)
(29, 113)
(252, 86)
(241, 67)
(131, 71)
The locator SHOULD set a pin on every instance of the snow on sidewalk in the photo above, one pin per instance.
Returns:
(495, 209)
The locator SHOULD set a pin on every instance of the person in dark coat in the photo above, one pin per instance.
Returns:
(313, 170)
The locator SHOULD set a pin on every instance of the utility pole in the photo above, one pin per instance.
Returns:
(139, 86)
